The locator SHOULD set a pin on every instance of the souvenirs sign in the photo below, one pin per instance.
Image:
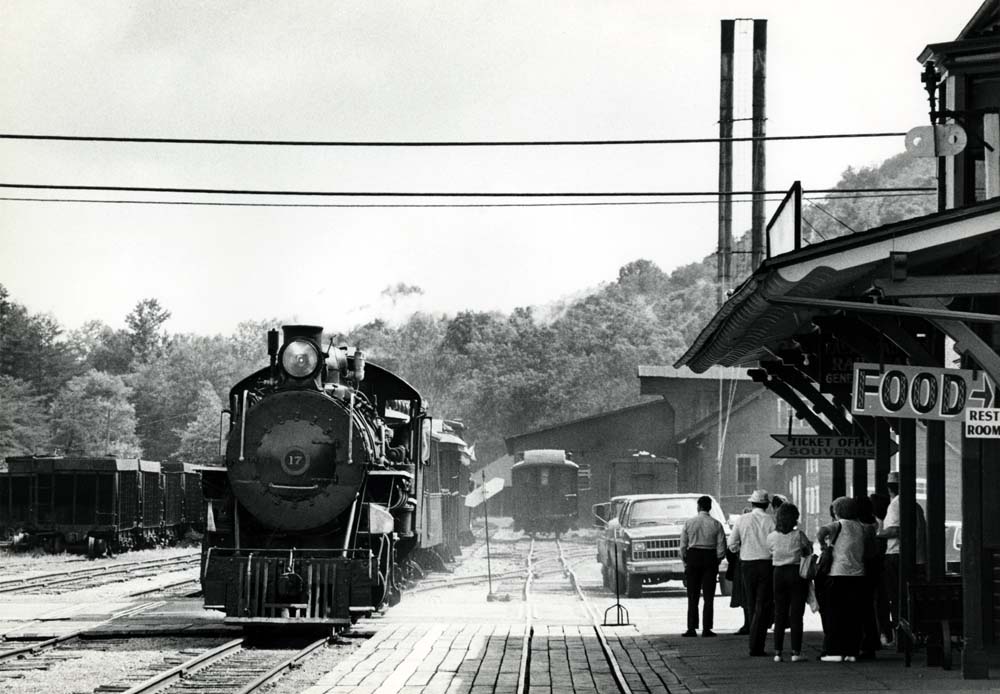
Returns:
(806, 446)
(919, 392)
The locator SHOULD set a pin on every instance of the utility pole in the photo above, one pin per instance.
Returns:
(725, 253)
(758, 181)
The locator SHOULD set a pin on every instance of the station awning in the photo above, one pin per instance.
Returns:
(787, 291)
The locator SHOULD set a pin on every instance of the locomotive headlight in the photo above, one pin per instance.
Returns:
(299, 358)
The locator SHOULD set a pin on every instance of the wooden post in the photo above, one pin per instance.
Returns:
(758, 180)
(838, 486)
(991, 163)
(907, 509)
(859, 477)
(725, 252)
(936, 478)
(882, 455)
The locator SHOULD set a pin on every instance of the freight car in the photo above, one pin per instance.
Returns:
(544, 489)
(312, 517)
(96, 504)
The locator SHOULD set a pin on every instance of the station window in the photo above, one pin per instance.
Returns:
(746, 472)
(583, 477)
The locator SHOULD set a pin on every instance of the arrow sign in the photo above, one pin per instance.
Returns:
(827, 446)
(481, 494)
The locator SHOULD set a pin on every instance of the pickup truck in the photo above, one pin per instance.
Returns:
(646, 540)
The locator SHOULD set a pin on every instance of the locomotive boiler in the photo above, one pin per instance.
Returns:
(312, 516)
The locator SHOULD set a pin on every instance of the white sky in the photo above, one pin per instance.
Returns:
(407, 71)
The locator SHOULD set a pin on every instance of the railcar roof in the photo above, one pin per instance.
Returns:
(545, 457)
(21, 464)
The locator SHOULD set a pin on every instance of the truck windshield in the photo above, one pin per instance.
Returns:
(660, 511)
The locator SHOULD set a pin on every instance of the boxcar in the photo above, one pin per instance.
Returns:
(544, 489)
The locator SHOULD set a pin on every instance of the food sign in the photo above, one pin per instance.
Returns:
(919, 392)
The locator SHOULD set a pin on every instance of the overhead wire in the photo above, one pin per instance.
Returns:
(440, 143)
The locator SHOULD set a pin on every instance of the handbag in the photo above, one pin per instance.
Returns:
(807, 567)
(825, 561)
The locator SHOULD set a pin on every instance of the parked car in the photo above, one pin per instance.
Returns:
(648, 538)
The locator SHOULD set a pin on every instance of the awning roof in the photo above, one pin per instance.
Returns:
(749, 325)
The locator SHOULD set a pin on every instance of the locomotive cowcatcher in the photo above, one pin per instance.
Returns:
(312, 515)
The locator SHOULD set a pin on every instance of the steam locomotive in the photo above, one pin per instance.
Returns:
(313, 514)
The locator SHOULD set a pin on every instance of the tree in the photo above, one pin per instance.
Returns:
(144, 330)
(24, 421)
(92, 416)
(31, 349)
(199, 440)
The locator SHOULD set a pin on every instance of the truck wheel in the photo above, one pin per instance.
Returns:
(725, 586)
(633, 586)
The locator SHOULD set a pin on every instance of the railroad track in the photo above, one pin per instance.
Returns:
(64, 581)
(231, 668)
(11, 650)
(538, 580)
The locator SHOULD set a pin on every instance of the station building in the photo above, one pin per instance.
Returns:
(900, 304)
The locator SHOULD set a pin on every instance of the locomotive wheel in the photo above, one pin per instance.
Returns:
(633, 586)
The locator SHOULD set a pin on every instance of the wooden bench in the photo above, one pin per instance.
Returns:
(935, 608)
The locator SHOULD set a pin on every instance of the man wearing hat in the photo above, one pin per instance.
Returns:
(749, 539)
(890, 566)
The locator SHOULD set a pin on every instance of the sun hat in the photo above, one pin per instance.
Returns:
(759, 496)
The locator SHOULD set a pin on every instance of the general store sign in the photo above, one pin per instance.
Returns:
(827, 446)
(919, 392)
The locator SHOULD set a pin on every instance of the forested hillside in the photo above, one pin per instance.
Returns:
(141, 390)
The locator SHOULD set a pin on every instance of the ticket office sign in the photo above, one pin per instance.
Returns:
(919, 392)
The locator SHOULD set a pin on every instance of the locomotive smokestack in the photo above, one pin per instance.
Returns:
(272, 344)
(308, 332)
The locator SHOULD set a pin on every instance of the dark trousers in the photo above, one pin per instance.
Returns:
(790, 592)
(700, 570)
(846, 594)
(758, 586)
(890, 583)
(869, 607)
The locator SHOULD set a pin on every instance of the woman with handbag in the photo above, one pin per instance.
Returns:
(788, 547)
(845, 586)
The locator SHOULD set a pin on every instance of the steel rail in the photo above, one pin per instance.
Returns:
(286, 664)
(166, 678)
(460, 581)
(37, 646)
(11, 585)
(616, 671)
(523, 678)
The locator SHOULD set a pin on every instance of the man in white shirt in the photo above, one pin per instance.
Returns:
(890, 566)
(703, 545)
(749, 539)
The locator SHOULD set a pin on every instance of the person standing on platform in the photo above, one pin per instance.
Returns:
(788, 545)
(749, 538)
(703, 546)
(890, 567)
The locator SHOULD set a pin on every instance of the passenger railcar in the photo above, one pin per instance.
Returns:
(311, 517)
(97, 504)
(443, 519)
(544, 489)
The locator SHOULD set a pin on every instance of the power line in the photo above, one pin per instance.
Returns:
(607, 203)
(439, 143)
(832, 216)
(444, 194)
